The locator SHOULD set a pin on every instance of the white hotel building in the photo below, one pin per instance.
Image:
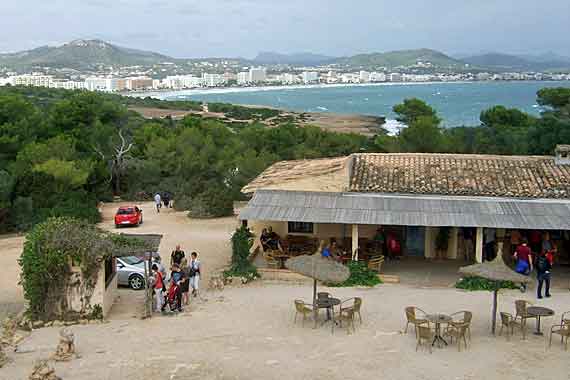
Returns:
(32, 80)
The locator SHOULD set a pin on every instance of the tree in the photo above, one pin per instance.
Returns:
(422, 136)
(412, 109)
(556, 98)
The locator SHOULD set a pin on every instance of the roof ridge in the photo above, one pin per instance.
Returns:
(458, 155)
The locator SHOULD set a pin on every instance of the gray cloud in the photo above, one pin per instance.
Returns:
(193, 28)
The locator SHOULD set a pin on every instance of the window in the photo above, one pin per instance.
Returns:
(300, 228)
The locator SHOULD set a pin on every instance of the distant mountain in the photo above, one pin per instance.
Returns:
(425, 57)
(81, 54)
(506, 62)
(271, 58)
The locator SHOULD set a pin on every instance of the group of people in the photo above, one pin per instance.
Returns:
(174, 290)
(270, 240)
(537, 254)
(164, 198)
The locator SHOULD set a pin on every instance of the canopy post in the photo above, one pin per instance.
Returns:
(494, 316)
(479, 245)
(355, 242)
(315, 306)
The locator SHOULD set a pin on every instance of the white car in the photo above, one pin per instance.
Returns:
(130, 272)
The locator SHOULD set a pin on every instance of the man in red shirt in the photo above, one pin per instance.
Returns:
(158, 286)
(523, 255)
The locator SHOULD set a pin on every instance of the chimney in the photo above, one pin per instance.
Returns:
(562, 155)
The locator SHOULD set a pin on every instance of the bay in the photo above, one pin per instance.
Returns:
(457, 103)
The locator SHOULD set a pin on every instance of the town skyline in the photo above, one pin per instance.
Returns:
(246, 27)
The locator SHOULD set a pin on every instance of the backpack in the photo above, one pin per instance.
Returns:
(542, 264)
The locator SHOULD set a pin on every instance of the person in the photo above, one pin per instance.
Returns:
(166, 199)
(264, 239)
(394, 247)
(535, 241)
(194, 269)
(335, 251)
(158, 262)
(543, 268)
(489, 238)
(380, 240)
(178, 277)
(158, 287)
(468, 246)
(185, 286)
(546, 243)
(516, 239)
(177, 255)
(523, 257)
(325, 250)
(157, 201)
(274, 240)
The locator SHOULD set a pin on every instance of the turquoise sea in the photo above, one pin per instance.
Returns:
(457, 103)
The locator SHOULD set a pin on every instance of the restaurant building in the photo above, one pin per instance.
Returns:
(412, 196)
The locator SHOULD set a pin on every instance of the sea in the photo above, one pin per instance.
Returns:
(457, 103)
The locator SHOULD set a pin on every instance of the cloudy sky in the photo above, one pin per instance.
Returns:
(207, 28)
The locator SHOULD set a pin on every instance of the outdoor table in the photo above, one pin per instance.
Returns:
(329, 304)
(539, 311)
(438, 319)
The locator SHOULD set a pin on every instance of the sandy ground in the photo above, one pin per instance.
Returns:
(248, 332)
(11, 294)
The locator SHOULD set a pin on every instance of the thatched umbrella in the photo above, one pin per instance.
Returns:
(497, 271)
(319, 269)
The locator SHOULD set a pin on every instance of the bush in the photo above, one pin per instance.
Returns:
(212, 203)
(478, 283)
(22, 213)
(241, 266)
(360, 275)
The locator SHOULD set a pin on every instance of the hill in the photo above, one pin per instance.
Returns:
(506, 62)
(407, 58)
(271, 58)
(81, 54)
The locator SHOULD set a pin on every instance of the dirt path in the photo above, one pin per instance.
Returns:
(11, 294)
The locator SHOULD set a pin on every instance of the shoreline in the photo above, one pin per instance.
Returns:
(169, 94)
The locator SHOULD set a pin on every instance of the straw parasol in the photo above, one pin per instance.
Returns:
(495, 270)
(319, 269)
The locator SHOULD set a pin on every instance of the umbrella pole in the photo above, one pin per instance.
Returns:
(315, 308)
(494, 316)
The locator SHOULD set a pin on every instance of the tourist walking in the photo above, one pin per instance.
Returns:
(157, 202)
(543, 268)
(177, 255)
(194, 273)
(523, 256)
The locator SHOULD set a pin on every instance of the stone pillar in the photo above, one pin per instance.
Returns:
(479, 245)
(452, 245)
(355, 242)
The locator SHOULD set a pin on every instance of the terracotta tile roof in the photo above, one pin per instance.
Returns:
(454, 174)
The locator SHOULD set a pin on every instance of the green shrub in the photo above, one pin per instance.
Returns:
(213, 203)
(360, 275)
(22, 213)
(478, 283)
(242, 240)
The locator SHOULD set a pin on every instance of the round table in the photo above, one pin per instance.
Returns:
(539, 311)
(329, 304)
(438, 319)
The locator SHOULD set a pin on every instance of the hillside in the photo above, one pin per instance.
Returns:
(425, 57)
(271, 58)
(81, 54)
(506, 62)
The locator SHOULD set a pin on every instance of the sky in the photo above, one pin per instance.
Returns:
(242, 28)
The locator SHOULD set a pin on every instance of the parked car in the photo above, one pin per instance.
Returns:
(128, 216)
(130, 272)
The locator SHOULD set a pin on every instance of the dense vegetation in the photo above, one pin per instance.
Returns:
(360, 275)
(478, 283)
(243, 113)
(241, 267)
(63, 151)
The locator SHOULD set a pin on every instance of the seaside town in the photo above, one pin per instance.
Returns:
(256, 76)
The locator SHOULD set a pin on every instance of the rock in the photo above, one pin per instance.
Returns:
(57, 323)
(69, 323)
(38, 324)
(3, 358)
(66, 346)
(272, 362)
(83, 321)
(42, 371)
(49, 324)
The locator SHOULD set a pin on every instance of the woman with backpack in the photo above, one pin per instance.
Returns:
(543, 267)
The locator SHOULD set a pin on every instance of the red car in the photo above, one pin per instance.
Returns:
(128, 216)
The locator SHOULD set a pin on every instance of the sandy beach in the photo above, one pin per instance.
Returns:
(247, 332)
